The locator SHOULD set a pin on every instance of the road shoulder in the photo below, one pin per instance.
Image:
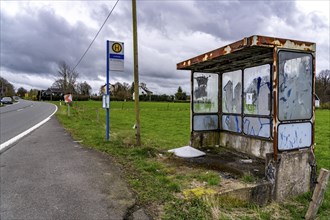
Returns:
(47, 175)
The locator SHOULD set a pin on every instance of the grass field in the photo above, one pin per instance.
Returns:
(160, 185)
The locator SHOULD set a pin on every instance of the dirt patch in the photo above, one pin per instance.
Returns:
(230, 164)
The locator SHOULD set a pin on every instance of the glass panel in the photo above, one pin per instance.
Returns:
(205, 95)
(232, 92)
(257, 88)
(293, 136)
(295, 85)
(205, 122)
(257, 126)
(232, 123)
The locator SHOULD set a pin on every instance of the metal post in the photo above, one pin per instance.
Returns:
(97, 116)
(136, 76)
(69, 109)
(108, 95)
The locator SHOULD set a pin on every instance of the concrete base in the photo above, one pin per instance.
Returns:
(251, 146)
(204, 139)
(291, 175)
(259, 194)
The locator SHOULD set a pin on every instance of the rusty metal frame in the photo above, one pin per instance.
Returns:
(250, 51)
(229, 113)
(242, 114)
(275, 103)
(312, 72)
(192, 90)
(191, 102)
(270, 79)
(193, 113)
(296, 121)
(261, 45)
(313, 104)
(270, 115)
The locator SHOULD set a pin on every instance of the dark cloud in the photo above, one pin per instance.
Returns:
(34, 41)
(227, 20)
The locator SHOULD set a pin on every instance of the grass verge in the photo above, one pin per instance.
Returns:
(159, 184)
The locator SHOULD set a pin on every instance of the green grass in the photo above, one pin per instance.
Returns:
(155, 118)
(149, 178)
(248, 178)
(159, 183)
(322, 152)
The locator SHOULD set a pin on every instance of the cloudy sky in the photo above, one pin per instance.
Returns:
(37, 35)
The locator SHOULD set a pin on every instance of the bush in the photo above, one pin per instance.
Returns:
(325, 105)
(182, 101)
(81, 97)
(157, 98)
(96, 98)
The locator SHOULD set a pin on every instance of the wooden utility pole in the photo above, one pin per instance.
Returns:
(136, 76)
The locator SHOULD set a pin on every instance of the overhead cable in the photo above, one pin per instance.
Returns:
(82, 57)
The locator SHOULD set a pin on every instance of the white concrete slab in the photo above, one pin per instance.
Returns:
(187, 152)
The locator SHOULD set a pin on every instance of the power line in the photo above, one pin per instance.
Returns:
(82, 57)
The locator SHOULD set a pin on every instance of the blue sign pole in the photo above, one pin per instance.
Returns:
(108, 95)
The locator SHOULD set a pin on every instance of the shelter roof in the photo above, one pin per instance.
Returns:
(249, 51)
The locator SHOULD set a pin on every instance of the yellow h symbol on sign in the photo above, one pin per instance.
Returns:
(116, 47)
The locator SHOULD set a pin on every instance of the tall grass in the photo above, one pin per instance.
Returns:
(322, 153)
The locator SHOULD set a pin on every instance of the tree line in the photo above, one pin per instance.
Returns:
(67, 83)
(322, 87)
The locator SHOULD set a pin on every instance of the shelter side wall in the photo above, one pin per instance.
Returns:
(204, 139)
(250, 146)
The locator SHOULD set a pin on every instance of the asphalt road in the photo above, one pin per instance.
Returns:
(47, 175)
(18, 117)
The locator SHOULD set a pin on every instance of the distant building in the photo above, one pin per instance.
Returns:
(52, 94)
(143, 90)
(317, 101)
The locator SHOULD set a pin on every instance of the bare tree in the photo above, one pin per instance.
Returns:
(120, 91)
(21, 92)
(322, 85)
(6, 88)
(84, 88)
(67, 78)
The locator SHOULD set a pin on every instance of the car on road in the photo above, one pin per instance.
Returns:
(7, 100)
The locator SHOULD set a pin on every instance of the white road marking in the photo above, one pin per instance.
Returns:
(5, 145)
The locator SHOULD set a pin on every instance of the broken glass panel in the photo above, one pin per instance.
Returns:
(232, 92)
(205, 94)
(232, 123)
(294, 136)
(257, 126)
(257, 90)
(205, 122)
(295, 85)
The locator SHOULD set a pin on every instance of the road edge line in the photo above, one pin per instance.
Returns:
(5, 146)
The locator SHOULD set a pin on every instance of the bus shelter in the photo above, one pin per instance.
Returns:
(256, 96)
